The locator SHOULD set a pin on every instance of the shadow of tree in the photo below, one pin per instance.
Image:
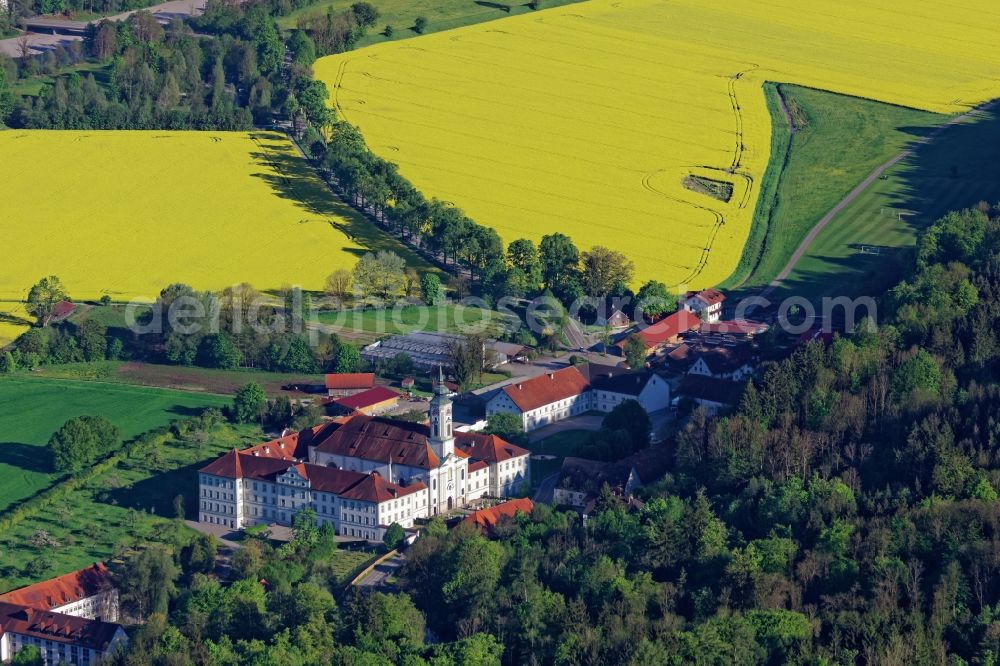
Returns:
(15, 320)
(292, 178)
(26, 456)
(156, 493)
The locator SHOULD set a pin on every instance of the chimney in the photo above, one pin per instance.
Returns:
(552, 375)
(520, 386)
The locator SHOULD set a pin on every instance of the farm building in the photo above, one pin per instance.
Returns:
(378, 400)
(667, 330)
(348, 383)
(429, 351)
(723, 363)
(615, 319)
(739, 328)
(580, 480)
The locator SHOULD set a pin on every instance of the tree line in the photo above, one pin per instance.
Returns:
(178, 77)
(845, 512)
(285, 605)
(235, 328)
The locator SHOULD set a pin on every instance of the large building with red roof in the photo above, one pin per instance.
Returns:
(361, 473)
(87, 593)
(576, 389)
(70, 618)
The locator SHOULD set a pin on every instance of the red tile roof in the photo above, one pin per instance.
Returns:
(63, 309)
(378, 439)
(227, 465)
(477, 465)
(546, 389)
(368, 398)
(707, 296)
(350, 380)
(63, 590)
(19, 619)
(668, 328)
(373, 488)
(330, 479)
(488, 518)
(489, 448)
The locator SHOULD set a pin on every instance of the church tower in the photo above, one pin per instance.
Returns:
(442, 440)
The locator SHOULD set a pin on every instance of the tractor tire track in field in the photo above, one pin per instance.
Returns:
(713, 232)
(733, 170)
(859, 189)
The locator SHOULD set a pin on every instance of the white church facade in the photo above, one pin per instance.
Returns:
(362, 473)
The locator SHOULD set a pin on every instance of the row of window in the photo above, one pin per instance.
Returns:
(54, 652)
(215, 520)
(216, 507)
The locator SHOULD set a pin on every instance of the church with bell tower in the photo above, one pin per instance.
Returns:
(362, 473)
(442, 438)
(448, 482)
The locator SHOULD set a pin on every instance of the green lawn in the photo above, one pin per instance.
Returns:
(450, 318)
(560, 445)
(845, 138)
(128, 504)
(348, 563)
(440, 14)
(33, 85)
(34, 408)
(956, 170)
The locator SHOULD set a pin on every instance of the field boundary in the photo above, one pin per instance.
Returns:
(767, 201)
(803, 247)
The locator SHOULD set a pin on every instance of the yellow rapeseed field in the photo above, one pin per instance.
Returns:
(127, 213)
(585, 119)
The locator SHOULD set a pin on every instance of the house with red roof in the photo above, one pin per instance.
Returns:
(71, 618)
(707, 304)
(362, 473)
(488, 519)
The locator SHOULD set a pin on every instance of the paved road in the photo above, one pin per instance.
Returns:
(381, 573)
(573, 335)
(853, 194)
(545, 490)
(41, 42)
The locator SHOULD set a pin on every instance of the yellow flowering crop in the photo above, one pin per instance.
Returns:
(586, 118)
(127, 213)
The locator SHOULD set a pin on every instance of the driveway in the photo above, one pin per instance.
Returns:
(382, 572)
(544, 492)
